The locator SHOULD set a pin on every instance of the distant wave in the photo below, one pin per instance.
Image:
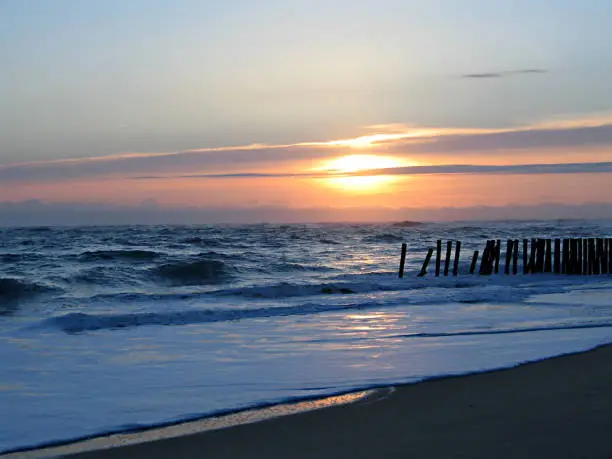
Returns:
(407, 224)
(288, 290)
(197, 240)
(199, 272)
(287, 267)
(19, 257)
(119, 255)
(390, 238)
(328, 241)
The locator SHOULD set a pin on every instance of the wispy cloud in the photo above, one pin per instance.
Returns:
(451, 169)
(272, 160)
(505, 73)
(520, 169)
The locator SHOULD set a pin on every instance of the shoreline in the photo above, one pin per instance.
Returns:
(379, 406)
(206, 423)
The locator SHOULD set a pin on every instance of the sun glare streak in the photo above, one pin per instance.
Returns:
(357, 163)
(341, 169)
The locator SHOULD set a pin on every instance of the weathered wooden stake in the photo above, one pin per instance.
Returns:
(492, 257)
(525, 263)
(402, 260)
(585, 256)
(540, 253)
(565, 256)
(438, 255)
(557, 268)
(548, 262)
(485, 260)
(449, 248)
(457, 252)
(579, 255)
(497, 255)
(474, 261)
(532, 256)
(604, 257)
(426, 263)
(571, 257)
(508, 255)
(598, 250)
(591, 269)
(609, 256)
(515, 257)
(576, 262)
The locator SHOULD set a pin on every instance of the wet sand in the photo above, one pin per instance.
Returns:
(557, 408)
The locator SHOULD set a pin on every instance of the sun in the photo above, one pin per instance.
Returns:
(357, 163)
(342, 169)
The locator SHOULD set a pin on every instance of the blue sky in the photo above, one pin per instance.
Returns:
(91, 78)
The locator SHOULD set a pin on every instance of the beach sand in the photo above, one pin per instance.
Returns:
(557, 408)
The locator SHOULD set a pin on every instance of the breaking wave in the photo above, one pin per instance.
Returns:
(13, 291)
(82, 322)
(15, 288)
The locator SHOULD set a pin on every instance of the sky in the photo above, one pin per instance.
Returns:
(297, 104)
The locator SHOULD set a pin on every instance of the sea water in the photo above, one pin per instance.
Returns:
(108, 329)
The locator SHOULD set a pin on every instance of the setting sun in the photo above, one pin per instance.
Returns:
(344, 166)
(356, 163)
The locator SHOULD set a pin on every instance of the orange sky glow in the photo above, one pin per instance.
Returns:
(333, 173)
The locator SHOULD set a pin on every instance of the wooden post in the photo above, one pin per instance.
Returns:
(491, 259)
(548, 262)
(438, 255)
(609, 256)
(585, 256)
(579, 256)
(532, 256)
(565, 256)
(508, 255)
(525, 263)
(604, 257)
(457, 252)
(515, 257)
(591, 269)
(485, 260)
(426, 263)
(540, 253)
(474, 261)
(449, 248)
(557, 268)
(570, 257)
(402, 260)
(497, 255)
(598, 250)
(576, 256)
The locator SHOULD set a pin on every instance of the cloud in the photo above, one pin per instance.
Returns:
(503, 73)
(521, 169)
(454, 169)
(255, 160)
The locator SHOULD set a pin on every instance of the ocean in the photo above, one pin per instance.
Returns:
(108, 329)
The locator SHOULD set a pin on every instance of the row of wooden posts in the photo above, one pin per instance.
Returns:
(584, 256)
